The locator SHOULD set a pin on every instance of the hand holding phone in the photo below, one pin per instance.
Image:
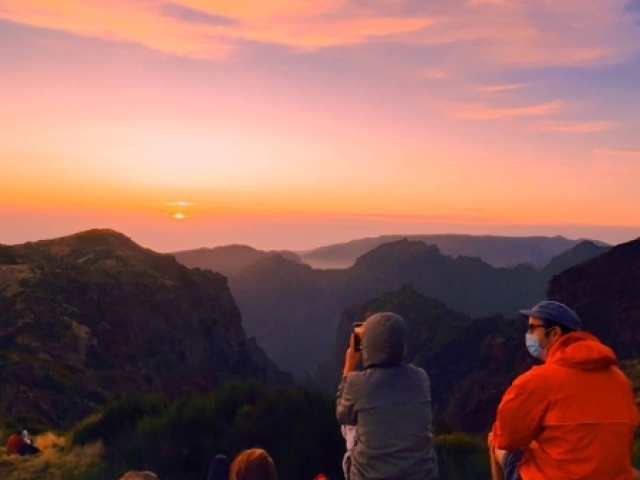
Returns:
(352, 356)
(357, 336)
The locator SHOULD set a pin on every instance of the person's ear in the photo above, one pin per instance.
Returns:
(555, 333)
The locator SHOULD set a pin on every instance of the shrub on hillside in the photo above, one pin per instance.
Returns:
(118, 417)
(462, 457)
(297, 427)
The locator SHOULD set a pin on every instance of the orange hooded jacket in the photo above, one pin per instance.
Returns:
(575, 416)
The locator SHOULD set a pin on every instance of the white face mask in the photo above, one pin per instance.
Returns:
(533, 345)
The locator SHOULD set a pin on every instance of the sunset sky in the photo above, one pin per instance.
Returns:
(297, 123)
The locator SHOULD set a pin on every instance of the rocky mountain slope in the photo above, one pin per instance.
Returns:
(86, 317)
(605, 292)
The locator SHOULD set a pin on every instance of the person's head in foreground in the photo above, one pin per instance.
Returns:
(548, 321)
(253, 464)
(136, 475)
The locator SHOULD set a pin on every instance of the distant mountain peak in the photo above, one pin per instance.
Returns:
(397, 249)
(88, 239)
(229, 260)
(581, 252)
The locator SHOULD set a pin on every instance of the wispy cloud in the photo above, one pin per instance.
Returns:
(190, 15)
(210, 29)
(477, 111)
(619, 152)
(532, 33)
(120, 21)
(500, 88)
(569, 127)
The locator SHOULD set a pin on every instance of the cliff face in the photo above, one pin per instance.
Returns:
(85, 317)
(605, 291)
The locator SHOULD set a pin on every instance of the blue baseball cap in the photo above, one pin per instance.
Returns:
(556, 312)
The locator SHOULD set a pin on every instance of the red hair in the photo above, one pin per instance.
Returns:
(253, 464)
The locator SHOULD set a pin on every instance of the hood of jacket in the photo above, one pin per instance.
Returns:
(582, 351)
(384, 340)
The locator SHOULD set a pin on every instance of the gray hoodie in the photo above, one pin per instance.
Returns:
(390, 404)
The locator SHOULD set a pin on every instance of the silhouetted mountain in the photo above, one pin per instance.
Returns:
(605, 291)
(228, 260)
(293, 309)
(86, 317)
(579, 253)
(495, 250)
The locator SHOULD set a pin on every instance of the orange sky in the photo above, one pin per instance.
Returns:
(291, 124)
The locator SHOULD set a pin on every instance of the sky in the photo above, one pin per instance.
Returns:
(294, 124)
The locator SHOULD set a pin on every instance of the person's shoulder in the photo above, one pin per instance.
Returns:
(414, 367)
(536, 374)
(416, 371)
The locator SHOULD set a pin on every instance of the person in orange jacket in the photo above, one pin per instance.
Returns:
(572, 417)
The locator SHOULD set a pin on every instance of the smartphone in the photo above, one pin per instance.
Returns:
(357, 339)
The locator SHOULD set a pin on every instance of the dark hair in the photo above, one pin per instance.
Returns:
(549, 324)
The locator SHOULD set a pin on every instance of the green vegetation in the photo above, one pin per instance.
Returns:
(462, 457)
(178, 440)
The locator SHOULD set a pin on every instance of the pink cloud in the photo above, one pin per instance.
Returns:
(568, 127)
(500, 88)
(305, 25)
(619, 152)
(477, 111)
(532, 33)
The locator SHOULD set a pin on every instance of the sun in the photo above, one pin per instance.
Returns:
(179, 216)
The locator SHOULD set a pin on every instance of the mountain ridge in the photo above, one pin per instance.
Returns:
(293, 309)
(88, 316)
(497, 250)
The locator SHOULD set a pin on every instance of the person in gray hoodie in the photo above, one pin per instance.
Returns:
(389, 402)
